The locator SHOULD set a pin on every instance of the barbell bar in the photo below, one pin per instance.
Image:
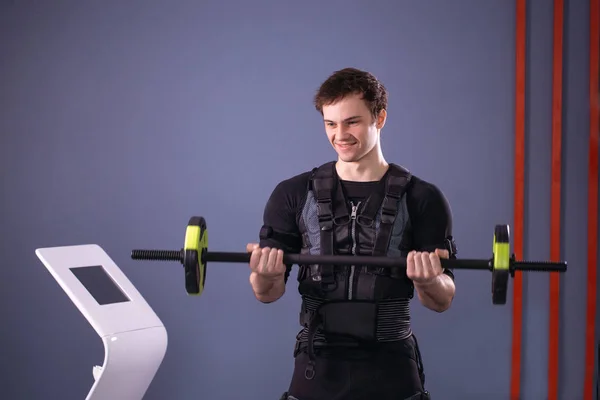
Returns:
(195, 256)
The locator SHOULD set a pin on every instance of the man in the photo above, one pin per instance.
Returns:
(356, 341)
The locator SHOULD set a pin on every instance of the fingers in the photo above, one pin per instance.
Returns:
(424, 266)
(266, 261)
(255, 258)
(279, 259)
(271, 260)
(251, 246)
(410, 265)
(442, 253)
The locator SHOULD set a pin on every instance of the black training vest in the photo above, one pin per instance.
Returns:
(375, 227)
(354, 303)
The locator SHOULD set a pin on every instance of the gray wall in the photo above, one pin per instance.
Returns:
(121, 121)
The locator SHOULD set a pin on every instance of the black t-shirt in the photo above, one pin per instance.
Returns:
(428, 208)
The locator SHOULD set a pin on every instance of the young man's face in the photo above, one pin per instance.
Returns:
(350, 127)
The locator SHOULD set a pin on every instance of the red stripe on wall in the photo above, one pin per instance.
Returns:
(515, 376)
(592, 234)
(555, 199)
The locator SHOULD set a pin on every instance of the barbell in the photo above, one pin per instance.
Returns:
(195, 256)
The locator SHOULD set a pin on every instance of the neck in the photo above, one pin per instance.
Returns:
(370, 168)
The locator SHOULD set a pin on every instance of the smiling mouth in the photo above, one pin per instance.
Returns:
(345, 145)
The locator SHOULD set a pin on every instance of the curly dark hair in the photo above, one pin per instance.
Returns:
(349, 81)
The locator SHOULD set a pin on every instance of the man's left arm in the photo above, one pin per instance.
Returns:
(432, 238)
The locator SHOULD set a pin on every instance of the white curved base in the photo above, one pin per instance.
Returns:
(131, 360)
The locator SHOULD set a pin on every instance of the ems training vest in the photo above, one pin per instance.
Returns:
(350, 304)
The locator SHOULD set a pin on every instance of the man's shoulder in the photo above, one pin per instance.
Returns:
(290, 192)
(299, 182)
(295, 183)
(423, 188)
(422, 193)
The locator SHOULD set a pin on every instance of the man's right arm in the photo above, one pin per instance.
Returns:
(279, 232)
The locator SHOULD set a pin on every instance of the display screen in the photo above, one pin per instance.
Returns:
(100, 285)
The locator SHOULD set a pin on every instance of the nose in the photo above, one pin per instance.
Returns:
(341, 133)
(343, 137)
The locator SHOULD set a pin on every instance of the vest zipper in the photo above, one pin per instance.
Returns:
(353, 233)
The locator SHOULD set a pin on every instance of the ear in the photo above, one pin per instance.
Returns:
(381, 118)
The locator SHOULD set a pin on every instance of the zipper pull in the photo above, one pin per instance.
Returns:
(354, 210)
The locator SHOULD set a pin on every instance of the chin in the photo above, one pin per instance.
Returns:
(348, 158)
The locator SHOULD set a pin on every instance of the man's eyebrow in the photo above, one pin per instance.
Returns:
(347, 119)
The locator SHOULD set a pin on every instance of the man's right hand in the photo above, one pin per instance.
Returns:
(266, 262)
(267, 272)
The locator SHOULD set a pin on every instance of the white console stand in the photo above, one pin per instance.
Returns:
(134, 338)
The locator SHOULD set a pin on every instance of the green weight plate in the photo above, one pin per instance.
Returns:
(196, 244)
(501, 264)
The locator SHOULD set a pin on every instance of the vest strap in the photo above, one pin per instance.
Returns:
(331, 210)
(323, 185)
(395, 187)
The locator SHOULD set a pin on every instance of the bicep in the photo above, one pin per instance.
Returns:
(280, 227)
(432, 227)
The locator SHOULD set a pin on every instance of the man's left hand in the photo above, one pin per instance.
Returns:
(424, 267)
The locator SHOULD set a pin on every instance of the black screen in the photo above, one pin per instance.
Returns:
(100, 285)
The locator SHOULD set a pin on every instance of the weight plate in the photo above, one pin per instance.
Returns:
(500, 264)
(195, 245)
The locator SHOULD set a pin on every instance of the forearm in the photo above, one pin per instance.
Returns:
(436, 295)
(266, 290)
